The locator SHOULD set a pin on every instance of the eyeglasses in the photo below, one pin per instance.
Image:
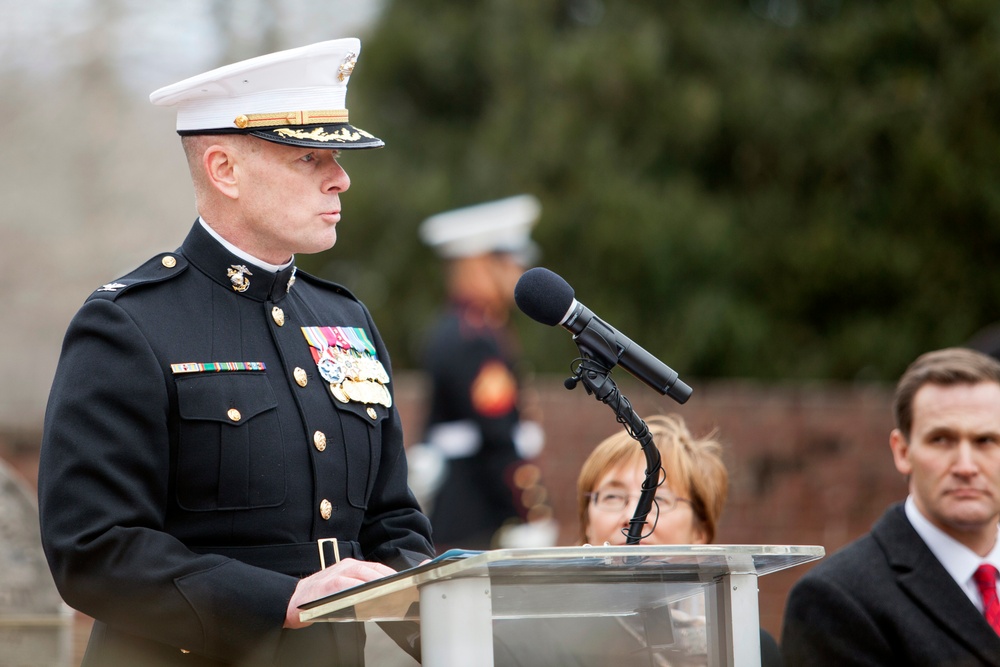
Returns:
(616, 501)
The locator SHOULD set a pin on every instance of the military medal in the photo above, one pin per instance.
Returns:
(347, 361)
(330, 367)
(338, 393)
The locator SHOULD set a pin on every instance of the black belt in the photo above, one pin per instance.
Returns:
(298, 559)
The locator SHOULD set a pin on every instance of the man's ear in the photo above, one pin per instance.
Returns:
(219, 162)
(900, 450)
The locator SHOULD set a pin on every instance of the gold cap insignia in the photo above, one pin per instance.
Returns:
(347, 67)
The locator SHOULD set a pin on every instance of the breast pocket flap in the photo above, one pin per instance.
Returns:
(227, 398)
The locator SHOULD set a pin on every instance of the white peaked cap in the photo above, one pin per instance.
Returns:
(503, 225)
(295, 97)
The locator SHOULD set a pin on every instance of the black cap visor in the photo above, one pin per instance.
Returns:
(339, 136)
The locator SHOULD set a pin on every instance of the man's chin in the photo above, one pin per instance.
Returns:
(320, 245)
(971, 516)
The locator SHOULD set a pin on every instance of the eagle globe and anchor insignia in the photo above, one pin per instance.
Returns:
(238, 277)
(347, 67)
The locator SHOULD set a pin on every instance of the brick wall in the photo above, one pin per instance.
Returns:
(809, 463)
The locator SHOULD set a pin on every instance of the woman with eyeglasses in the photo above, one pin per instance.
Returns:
(687, 507)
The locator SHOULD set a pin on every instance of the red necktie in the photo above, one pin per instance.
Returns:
(986, 580)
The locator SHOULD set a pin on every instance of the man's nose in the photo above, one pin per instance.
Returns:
(965, 459)
(337, 179)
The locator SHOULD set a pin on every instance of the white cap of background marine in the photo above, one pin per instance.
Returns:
(295, 97)
(502, 225)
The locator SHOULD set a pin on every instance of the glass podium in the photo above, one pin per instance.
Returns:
(625, 598)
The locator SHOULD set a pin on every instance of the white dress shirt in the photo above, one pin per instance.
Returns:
(273, 268)
(959, 560)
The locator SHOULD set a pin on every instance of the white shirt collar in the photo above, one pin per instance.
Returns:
(273, 268)
(959, 560)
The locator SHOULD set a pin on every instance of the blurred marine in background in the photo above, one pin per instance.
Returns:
(486, 492)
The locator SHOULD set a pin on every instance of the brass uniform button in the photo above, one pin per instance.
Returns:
(278, 315)
(527, 475)
(325, 509)
(169, 261)
(300, 376)
(319, 439)
(234, 414)
(534, 495)
(372, 413)
(241, 121)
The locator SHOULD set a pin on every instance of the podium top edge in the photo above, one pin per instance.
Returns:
(562, 562)
(653, 550)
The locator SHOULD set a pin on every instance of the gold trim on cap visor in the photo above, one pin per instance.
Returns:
(343, 135)
(243, 121)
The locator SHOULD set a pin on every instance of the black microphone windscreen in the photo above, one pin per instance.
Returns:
(543, 295)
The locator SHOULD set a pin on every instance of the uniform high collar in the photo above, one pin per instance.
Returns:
(244, 278)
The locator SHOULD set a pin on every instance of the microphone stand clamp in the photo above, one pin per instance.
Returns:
(596, 379)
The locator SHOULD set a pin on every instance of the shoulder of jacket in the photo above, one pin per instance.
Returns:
(851, 563)
(160, 268)
(325, 284)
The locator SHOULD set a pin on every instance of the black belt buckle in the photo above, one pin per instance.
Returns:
(322, 555)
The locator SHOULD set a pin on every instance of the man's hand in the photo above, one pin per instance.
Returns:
(348, 572)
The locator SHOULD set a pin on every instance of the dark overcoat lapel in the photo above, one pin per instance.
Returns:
(922, 576)
(881, 601)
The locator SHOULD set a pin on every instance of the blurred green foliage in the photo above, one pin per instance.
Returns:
(770, 189)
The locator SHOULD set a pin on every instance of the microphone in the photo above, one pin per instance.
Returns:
(545, 297)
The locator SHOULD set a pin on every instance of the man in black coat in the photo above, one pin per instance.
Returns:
(911, 592)
(221, 444)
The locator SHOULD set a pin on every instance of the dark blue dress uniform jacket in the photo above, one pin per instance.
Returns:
(179, 524)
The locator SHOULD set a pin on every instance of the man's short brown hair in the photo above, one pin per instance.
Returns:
(950, 366)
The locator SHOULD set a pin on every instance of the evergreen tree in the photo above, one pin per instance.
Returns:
(770, 189)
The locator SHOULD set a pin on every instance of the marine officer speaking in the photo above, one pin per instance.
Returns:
(221, 443)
